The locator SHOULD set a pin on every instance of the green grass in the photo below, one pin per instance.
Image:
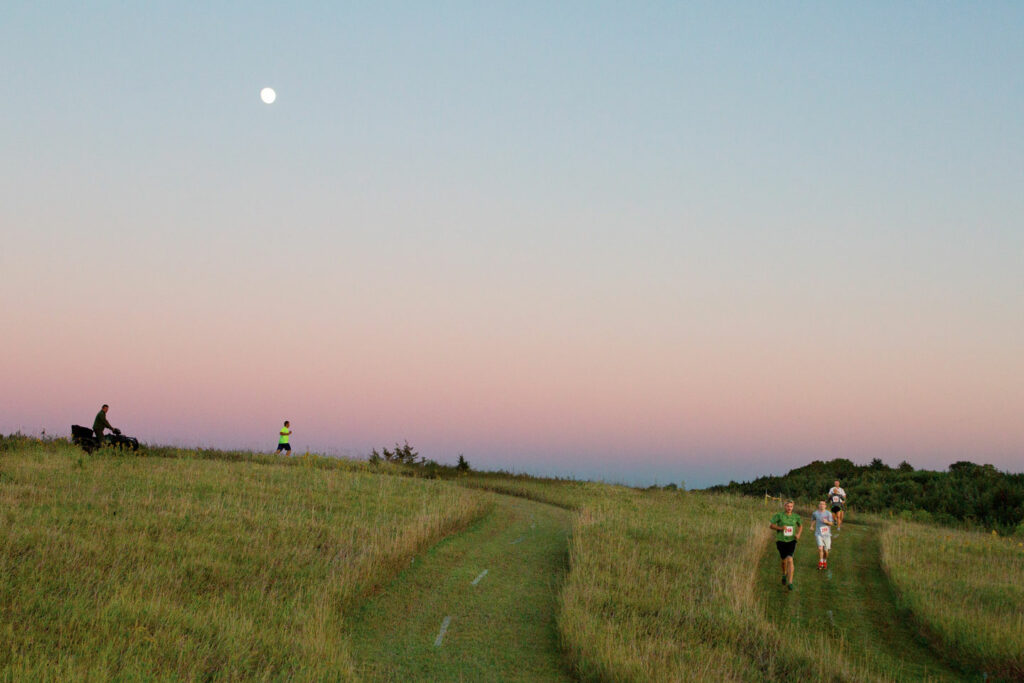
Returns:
(850, 609)
(501, 629)
(208, 565)
(661, 587)
(118, 566)
(966, 589)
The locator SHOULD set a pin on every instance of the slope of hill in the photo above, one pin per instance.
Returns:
(966, 589)
(478, 606)
(196, 564)
(975, 495)
(126, 567)
(851, 608)
(661, 587)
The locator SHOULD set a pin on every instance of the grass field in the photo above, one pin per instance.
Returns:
(207, 565)
(661, 587)
(966, 589)
(850, 610)
(117, 566)
(496, 585)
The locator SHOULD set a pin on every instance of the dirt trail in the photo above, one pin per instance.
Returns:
(477, 606)
(852, 601)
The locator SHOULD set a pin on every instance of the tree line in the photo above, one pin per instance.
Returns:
(965, 495)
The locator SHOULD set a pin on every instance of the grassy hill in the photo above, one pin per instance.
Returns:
(186, 565)
(965, 590)
(117, 566)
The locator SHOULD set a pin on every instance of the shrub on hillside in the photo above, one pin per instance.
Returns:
(968, 494)
(401, 455)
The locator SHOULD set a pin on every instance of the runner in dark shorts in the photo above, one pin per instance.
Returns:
(836, 498)
(282, 442)
(788, 528)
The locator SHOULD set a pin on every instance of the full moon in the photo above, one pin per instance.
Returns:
(268, 95)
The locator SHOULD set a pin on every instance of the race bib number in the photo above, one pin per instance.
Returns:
(824, 531)
(836, 499)
(787, 531)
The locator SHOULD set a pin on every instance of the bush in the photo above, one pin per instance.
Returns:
(402, 455)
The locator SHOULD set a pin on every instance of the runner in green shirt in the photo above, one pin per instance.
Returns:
(788, 528)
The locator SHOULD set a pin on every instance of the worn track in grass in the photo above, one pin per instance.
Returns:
(853, 602)
(500, 628)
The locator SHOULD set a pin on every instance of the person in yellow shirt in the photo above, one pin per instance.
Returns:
(282, 442)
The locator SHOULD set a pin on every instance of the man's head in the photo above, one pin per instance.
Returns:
(821, 505)
(287, 423)
(788, 507)
(105, 408)
(836, 484)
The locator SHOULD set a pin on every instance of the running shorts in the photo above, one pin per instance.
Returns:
(836, 509)
(786, 548)
(284, 446)
(824, 542)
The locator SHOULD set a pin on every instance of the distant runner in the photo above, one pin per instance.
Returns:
(823, 522)
(101, 423)
(837, 501)
(788, 528)
(282, 442)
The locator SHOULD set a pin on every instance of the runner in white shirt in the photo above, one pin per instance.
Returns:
(837, 501)
(823, 522)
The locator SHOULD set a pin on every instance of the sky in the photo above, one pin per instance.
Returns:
(637, 242)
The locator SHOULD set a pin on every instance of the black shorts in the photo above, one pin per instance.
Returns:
(836, 509)
(786, 548)
(284, 446)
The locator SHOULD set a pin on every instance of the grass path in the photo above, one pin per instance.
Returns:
(502, 627)
(852, 602)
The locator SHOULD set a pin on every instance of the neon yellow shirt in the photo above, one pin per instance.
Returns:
(285, 433)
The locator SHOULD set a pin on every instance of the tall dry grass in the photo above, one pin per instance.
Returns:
(130, 567)
(965, 588)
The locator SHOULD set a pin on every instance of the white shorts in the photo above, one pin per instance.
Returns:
(824, 541)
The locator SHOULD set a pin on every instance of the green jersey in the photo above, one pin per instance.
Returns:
(789, 524)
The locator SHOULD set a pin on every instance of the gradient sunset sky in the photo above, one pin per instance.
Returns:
(639, 242)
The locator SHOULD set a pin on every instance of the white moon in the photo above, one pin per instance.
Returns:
(268, 95)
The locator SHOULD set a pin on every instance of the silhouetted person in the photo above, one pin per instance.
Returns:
(101, 423)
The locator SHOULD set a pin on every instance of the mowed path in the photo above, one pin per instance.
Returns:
(851, 601)
(445, 619)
